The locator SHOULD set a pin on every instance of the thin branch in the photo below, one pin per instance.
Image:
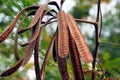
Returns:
(49, 62)
(48, 22)
(95, 54)
(114, 44)
(100, 21)
(115, 77)
(103, 76)
(46, 57)
(85, 21)
(97, 71)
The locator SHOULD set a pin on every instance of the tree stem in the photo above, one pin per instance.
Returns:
(85, 21)
(95, 53)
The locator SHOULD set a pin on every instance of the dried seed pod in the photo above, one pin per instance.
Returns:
(36, 58)
(63, 48)
(7, 32)
(12, 69)
(42, 73)
(29, 48)
(75, 60)
(62, 64)
(54, 53)
(79, 39)
(62, 1)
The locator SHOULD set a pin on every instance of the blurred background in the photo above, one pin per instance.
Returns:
(109, 51)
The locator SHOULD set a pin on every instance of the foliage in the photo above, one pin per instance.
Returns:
(110, 51)
(78, 11)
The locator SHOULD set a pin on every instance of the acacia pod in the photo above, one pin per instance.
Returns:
(62, 64)
(54, 52)
(79, 39)
(62, 1)
(12, 69)
(75, 60)
(63, 48)
(36, 59)
(42, 73)
(7, 32)
(30, 47)
(16, 35)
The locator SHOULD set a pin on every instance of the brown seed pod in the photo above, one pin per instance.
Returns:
(79, 39)
(75, 60)
(12, 69)
(62, 64)
(7, 32)
(63, 48)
